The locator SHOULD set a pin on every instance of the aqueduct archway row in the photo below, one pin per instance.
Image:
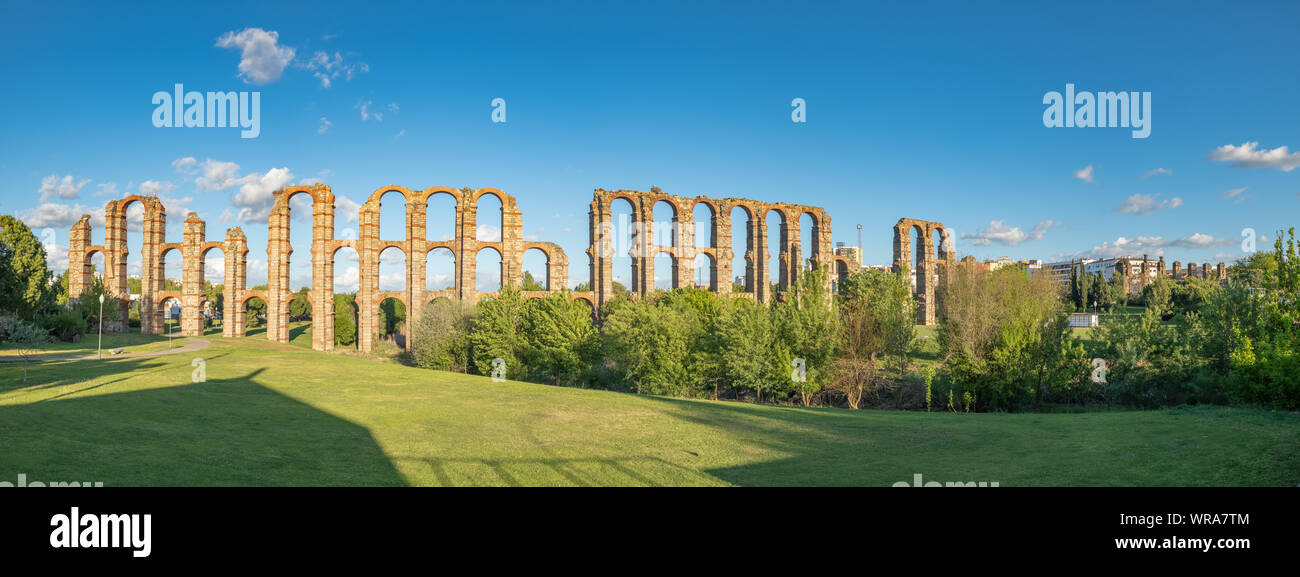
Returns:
(464, 246)
(929, 265)
(682, 249)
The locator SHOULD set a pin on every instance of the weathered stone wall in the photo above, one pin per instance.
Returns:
(604, 232)
(930, 263)
(464, 246)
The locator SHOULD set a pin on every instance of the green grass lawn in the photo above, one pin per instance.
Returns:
(133, 342)
(280, 416)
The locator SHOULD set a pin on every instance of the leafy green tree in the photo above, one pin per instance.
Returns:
(300, 306)
(749, 347)
(442, 336)
(647, 346)
(877, 322)
(563, 344)
(893, 310)
(530, 284)
(499, 333)
(392, 316)
(345, 319)
(806, 328)
(27, 336)
(25, 280)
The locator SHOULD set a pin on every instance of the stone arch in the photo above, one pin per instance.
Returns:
(278, 254)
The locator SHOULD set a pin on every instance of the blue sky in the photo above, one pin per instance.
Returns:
(925, 110)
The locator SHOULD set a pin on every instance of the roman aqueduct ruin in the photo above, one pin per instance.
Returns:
(677, 242)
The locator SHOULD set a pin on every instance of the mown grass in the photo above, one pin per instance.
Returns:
(280, 416)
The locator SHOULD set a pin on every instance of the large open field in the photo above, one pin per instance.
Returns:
(277, 415)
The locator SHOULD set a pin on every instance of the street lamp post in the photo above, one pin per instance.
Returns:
(100, 347)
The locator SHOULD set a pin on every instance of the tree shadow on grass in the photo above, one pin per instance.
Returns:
(218, 432)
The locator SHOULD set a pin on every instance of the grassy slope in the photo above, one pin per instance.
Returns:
(294, 417)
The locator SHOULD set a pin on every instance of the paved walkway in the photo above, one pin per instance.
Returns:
(194, 344)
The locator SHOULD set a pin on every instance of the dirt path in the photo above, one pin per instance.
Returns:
(194, 344)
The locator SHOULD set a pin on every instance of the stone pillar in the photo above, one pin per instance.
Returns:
(417, 251)
(236, 254)
(277, 271)
(600, 249)
(151, 274)
(823, 247)
(467, 238)
(791, 251)
(762, 289)
(512, 243)
(643, 259)
(684, 251)
(115, 259)
(1221, 273)
(1178, 270)
(368, 287)
(322, 268)
(192, 276)
(722, 251)
(1160, 267)
(79, 275)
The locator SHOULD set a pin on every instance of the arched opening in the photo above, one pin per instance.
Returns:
(347, 279)
(741, 247)
(664, 271)
(807, 241)
(134, 263)
(392, 321)
(537, 270)
(489, 217)
(300, 319)
(172, 267)
(392, 269)
(704, 272)
(392, 216)
(841, 273)
(919, 274)
(487, 270)
(254, 316)
(623, 243)
(664, 231)
(440, 269)
(171, 315)
(301, 273)
(704, 229)
(440, 217)
(214, 289)
(775, 219)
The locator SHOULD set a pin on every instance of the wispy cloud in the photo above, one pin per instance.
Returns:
(1248, 155)
(1084, 174)
(1143, 204)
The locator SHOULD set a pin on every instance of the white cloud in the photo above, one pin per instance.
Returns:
(257, 194)
(324, 125)
(57, 215)
(107, 189)
(1248, 155)
(65, 188)
(327, 68)
(346, 207)
(185, 165)
(217, 175)
(1234, 192)
(262, 60)
(1004, 235)
(1144, 204)
(1084, 174)
(488, 233)
(364, 106)
(1151, 245)
(1156, 171)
